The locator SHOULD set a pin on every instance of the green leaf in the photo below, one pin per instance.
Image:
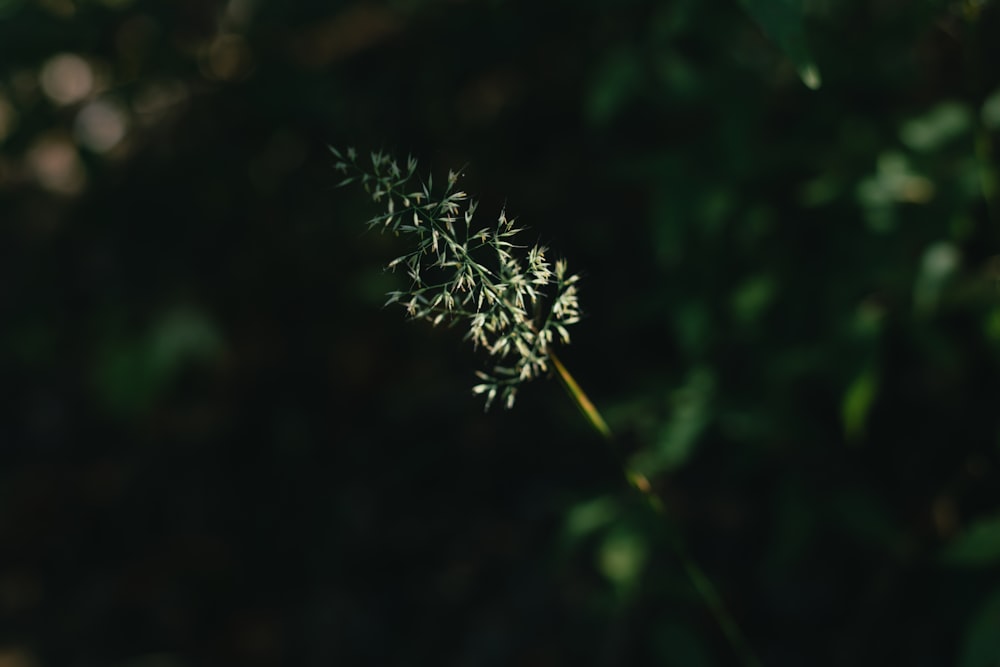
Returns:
(9, 7)
(678, 436)
(622, 557)
(939, 264)
(752, 297)
(858, 400)
(781, 21)
(981, 645)
(132, 372)
(979, 546)
(616, 82)
(945, 123)
(590, 516)
(990, 111)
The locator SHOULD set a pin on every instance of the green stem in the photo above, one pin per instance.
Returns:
(581, 400)
(706, 589)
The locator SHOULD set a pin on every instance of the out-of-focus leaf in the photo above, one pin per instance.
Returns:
(623, 556)
(781, 20)
(180, 336)
(752, 297)
(9, 7)
(857, 404)
(131, 372)
(679, 435)
(981, 644)
(936, 128)
(869, 320)
(991, 325)
(990, 112)
(820, 191)
(978, 546)
(590, 516)
(616, 81)
(940, 262)
(894, 182)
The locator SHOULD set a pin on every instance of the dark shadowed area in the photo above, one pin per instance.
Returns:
(218, 448)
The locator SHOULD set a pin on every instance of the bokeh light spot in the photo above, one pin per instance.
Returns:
(56, 165)
(101, 125)
(67, 78)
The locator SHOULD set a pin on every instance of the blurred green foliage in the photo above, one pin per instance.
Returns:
(216, 447)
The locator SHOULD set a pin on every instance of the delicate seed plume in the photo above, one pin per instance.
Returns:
(477, 276)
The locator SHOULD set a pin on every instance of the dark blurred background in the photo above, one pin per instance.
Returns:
(217, 448)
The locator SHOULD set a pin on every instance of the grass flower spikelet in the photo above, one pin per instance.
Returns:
(513, 302)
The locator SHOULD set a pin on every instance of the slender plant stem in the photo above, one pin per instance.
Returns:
(706, 589)
(581, 400)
